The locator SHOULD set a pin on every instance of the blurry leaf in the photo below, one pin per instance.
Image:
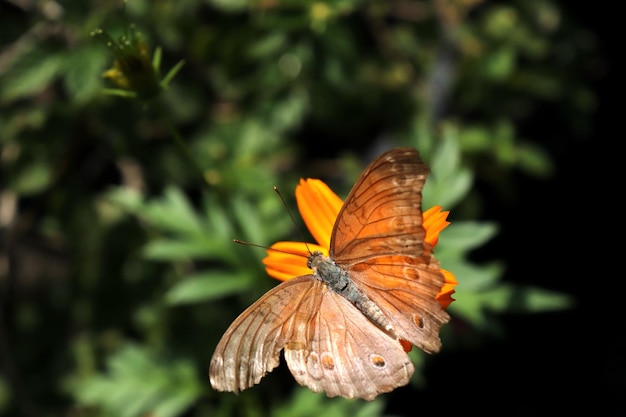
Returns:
(305, 403)
(249, 220)
(474, 139)
(173, 212)
(287, 114)
(219, 223)
(467, 235)
(128, 198)
(268, 45)
(500, 63)
(506, 298)
(83, 73)
(449, 181)
(33, 178)
(172, 249)
(472, 277)
(534, 160)
(31, 73)
(418, 357)
(207, 286)
(526, 299)
(504, 142)
(231, 5)
(137, 384)
(5, 394)
(446, 159)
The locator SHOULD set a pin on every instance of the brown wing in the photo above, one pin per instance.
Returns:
(342, 353)
(379, 239)
(251, 346)
(405, 290)
(382, 215)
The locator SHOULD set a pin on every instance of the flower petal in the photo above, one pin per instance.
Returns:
(445, 294)
(286, 260)
(434, 221)
(319, 207)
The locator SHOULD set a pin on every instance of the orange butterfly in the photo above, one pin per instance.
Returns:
(341, 326)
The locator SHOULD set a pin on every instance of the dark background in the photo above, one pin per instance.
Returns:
(556, 234)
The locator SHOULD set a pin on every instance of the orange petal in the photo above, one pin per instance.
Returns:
(445, 294)
(290, 262)
(319, 207)
(434, 221)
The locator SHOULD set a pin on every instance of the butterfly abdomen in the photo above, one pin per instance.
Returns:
(338, 280)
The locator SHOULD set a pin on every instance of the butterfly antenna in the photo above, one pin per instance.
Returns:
(293, 220)
(243, 242)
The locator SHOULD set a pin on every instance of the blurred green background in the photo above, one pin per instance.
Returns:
(120, 195)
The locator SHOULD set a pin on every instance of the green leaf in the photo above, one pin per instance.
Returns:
(137, 383)
(33, 178)
(5, 394)
(305, 403)
(467, 235)
(173, 212)
(473, 304)
(534, 160)
(128, 198)
(31, 73)
(449, 182)
(174, 249)
(83, 73)
(471, 276)
(207, 286)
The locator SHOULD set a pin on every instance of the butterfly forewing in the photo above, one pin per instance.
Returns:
(379, 239)
(382, 214)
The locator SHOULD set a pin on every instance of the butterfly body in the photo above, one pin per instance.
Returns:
(338, 280)
(340, 327)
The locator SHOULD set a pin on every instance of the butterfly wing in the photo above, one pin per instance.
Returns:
(342, 353)
(379, 239)
(251, 346)
(329, 345)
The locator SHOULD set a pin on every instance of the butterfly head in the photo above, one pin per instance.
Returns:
(314, 259)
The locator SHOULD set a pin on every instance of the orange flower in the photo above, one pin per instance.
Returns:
(319, 207)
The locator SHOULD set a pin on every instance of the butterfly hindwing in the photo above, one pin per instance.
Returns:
(405, 291)
(345, 355)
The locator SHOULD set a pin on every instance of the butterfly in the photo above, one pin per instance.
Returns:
(340, 327)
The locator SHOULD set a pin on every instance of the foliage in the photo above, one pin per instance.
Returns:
(117, 214)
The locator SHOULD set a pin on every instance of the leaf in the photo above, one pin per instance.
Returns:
(31, 73)
(207, 286)
(305, 403)
(175, 249)
(534, 160)
(33, 178)
(127, 198)
(467, 235)
(471, 276)
(450, 182)
(137, 382)
(82, 75)
(173, 212)
(507, 298)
